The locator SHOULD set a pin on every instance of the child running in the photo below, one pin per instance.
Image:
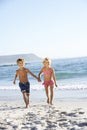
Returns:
(49, 79)
(24, 84)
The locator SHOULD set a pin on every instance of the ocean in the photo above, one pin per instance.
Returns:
(71, 76)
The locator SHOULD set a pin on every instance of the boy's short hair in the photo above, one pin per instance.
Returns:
(19, 59)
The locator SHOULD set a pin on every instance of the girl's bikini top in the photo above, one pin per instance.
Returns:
(47, 72)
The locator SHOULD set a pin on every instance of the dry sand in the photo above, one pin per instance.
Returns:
(63, 115)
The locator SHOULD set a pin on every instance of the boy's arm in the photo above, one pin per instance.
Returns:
(16, 75)
(32, 74)
(54, 78)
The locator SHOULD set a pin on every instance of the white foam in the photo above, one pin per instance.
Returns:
(41, 87)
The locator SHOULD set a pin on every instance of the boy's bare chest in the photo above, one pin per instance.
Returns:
(22, 73)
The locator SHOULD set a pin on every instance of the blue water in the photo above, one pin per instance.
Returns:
(71, 75)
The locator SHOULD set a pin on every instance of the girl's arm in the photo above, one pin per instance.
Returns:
(40, 74)
(54, 78)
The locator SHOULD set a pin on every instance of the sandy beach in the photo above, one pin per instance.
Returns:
(63, 115)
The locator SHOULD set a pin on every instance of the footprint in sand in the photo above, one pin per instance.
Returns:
(82, 124)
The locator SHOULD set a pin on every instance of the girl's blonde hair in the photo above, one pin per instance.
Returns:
(46, 60)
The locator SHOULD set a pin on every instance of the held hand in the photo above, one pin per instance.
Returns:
(39, 80)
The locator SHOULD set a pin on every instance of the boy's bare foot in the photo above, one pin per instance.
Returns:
(27, 105)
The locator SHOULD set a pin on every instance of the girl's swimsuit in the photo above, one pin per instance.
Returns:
(48, 72)
(49, 82)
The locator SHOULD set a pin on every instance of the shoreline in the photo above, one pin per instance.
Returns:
(62, 115)
(39, 95)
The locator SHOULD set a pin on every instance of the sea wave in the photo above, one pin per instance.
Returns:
(68, 75)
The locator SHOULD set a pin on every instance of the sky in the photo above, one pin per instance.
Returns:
(47, 28)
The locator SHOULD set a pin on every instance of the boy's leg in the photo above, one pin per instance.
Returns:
(47, 94)
(24, 97)
(51, 94)
(27, 95)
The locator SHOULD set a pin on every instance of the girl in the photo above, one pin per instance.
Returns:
(49, 79)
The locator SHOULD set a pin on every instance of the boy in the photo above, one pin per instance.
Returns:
(24, 84)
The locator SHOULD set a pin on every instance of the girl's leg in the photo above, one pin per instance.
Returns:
(46, 90)
(51, 94)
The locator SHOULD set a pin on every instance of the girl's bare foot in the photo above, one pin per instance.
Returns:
(48, 100)
(51, 103)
